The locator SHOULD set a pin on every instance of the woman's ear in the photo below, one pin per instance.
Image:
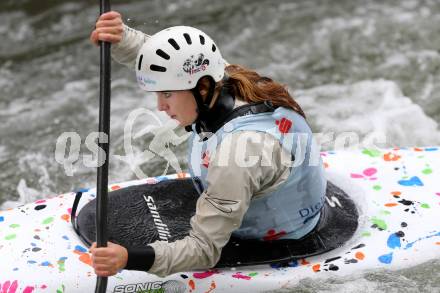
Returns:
(204, 87)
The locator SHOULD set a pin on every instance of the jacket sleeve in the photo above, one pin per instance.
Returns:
(125, 52)
(221, 207)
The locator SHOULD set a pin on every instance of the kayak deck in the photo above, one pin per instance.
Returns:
(396, 191)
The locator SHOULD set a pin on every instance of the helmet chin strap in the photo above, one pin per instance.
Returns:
(209, 118)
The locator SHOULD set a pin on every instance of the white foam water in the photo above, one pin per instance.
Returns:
(26, 195)
(419, 278)
(366, 108)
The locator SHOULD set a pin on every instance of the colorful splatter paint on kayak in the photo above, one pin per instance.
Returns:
(397, 191)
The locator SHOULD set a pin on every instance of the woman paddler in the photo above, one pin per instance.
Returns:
(259, 174)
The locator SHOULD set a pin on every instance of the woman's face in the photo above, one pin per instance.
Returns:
(179, 105)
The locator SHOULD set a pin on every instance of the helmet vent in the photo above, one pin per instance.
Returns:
(214, 48)
(140, 62)
(174, 44)
(202, 39)
(154, 67)
(163, 54)
(187, 38)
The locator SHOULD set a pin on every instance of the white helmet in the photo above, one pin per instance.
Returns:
(176, 58)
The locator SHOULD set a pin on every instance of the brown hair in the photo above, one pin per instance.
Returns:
(249, 86)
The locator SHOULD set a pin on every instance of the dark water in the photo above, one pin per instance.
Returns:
(361, 66)
(353, 60)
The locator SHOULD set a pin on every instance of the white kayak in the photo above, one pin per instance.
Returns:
(397, 192)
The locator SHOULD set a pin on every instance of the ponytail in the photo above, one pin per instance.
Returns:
(249, 86)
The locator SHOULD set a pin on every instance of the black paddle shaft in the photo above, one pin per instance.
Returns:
(103, 144)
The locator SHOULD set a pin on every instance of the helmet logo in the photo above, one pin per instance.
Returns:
(194, 64)
(144, 80)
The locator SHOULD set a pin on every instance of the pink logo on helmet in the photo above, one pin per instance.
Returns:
(194, 64)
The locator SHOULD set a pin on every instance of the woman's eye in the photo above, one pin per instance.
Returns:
(167, 95)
